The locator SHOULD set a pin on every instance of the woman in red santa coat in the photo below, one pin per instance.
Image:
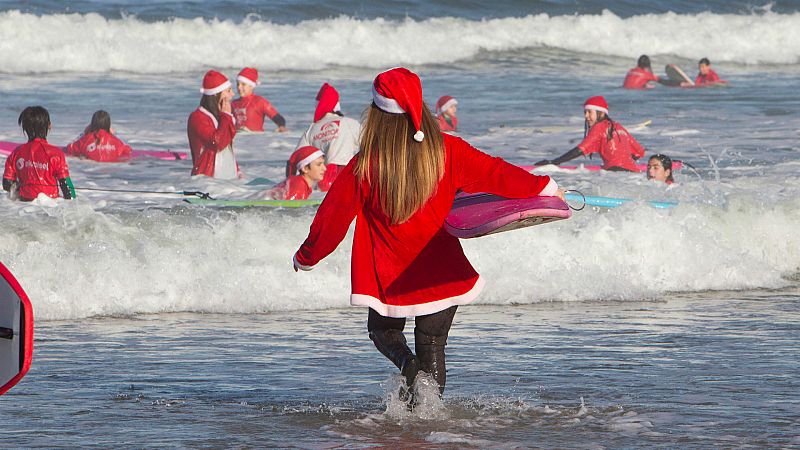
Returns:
(404, 263)
(211, 130)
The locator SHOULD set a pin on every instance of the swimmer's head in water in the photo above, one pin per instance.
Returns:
(302, 157)
(101, 120)
(315, 170)
(644, 63)
(35, 121)
(659, 168)
(704, 65)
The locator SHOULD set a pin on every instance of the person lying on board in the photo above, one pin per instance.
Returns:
(211, 130)
(333, 133)
(618, 149)
(659, 168)
(705, 75)
(99, 143)
(36, 167)
(250, 109)
(642, 76)
(305, 168)
(446, 108)
(399, 189)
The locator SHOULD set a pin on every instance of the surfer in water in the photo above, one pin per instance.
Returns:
(250, 109)
(659, 168)
(36, 167)
(399, 188)
(99, 143)
(333, 133)
(211, 130)
(446, 108)
(705, 74)
(642, 76)
(305, 168)
(618, 149)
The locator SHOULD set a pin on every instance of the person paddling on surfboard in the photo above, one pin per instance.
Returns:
(659, 168)
(446, 108)
(211, 130)
(333, 133)
(305, 168)
(250, 109)
(642, 76)
(99, 143)
(36, 167)
(618, 149)
(400, 188)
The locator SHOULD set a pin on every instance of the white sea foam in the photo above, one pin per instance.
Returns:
(77, 262)
(92, 43)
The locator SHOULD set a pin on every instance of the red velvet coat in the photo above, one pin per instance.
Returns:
(207, 137)
(416, 267)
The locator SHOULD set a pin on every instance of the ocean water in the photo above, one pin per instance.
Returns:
(631, 327)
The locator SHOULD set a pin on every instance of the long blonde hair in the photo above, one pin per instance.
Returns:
(402, 171)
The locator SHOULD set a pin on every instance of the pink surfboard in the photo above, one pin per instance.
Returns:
(7, 147)
(478, 215)
(676, 165)
(16, 331)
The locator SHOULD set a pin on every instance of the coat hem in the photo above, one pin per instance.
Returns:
(421, 309)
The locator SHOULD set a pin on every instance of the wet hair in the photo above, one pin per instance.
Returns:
(666, 162)
(644, 62)
(211, 104)
(704, 61)
(35, 121)
(101, 120)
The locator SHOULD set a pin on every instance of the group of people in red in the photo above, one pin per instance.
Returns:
(642, 76)
(324, 149)
(618, 149)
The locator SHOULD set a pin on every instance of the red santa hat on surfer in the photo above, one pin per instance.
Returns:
(444, 103)
(596, 103)
(327, 101)
(214, 83)
(248, 76)
(399, 91)
(302, 157)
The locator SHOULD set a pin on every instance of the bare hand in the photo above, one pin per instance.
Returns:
(225, 104)
(560, 194)
(282, 129)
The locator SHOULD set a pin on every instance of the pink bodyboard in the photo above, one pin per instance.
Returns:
(7, 147)
(478, 215)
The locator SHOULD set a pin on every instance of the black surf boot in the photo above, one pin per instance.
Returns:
(430, 353)
(392, 343)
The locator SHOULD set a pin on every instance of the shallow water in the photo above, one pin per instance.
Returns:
(692, 371)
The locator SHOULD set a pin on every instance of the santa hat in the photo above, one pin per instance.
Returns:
(597, 103)
(302, 157)
(444, 103)
(214, 83)
(399, 91)
(249, 76)
(327, 101)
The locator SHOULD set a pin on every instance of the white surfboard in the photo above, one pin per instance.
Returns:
(16, 331)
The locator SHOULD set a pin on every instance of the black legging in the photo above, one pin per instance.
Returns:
(436, 324)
